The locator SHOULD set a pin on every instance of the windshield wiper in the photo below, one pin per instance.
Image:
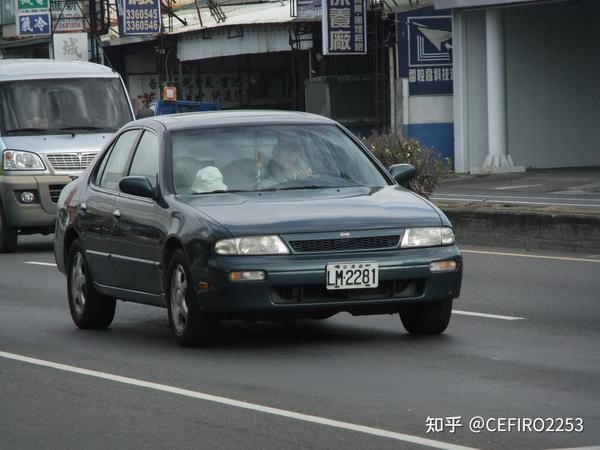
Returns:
(18, 130)
(291, 188)
(220, 191)
(84, 127)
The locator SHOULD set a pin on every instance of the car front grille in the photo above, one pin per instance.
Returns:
(70, 161)
(318, 293)
(55, 190)
(344, 244)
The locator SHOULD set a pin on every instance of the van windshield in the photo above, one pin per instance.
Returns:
(55, 106)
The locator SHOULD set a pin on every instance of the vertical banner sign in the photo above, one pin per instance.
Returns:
(425, 50)
(344, 27)
(33, 17)
(141, 17)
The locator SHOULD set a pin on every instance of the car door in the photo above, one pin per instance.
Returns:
(139, 226)
(96, 206)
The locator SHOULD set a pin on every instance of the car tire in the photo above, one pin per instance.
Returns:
(427, 318)
(190, 326)
(89, 308)
(8, 235)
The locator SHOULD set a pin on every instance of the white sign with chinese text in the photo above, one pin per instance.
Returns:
(71, 46)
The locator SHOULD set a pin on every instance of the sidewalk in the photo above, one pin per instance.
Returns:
(551, 209)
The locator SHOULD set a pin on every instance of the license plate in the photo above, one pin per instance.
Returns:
(353, 275)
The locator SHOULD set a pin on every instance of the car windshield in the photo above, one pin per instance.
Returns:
(62, 105)
(272, 157)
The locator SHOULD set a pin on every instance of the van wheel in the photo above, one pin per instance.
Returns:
(191, 326)
(427, 318)
(89, 309)
(8, 235)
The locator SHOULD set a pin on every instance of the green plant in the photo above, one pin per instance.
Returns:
(394, 149)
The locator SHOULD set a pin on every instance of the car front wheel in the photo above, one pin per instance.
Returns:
(89, 309)
(427, 318)
(191, 327)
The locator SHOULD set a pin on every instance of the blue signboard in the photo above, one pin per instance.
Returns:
(34, 24)
(141, 17)
(425, 51)
(344, 27)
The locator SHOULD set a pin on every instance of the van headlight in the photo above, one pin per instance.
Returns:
(427, 237)
(20, 160)
(252, 245)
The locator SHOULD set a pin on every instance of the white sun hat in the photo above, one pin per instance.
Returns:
(209, 179)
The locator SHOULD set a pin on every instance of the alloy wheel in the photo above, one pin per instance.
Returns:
(179, 308)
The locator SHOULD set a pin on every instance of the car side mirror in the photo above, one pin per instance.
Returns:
(402, 172)
(139, 186)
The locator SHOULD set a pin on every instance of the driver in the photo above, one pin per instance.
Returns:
(287, 163)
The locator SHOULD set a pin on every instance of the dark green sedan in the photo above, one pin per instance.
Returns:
(253, 215)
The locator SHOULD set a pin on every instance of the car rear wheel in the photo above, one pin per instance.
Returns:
(190, 326)
(427, 318)
(8, 235)
(89, 309)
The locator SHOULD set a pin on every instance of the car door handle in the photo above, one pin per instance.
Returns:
(116, 213)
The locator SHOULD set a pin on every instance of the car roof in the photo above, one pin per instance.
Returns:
(37, 69)
(212, 119)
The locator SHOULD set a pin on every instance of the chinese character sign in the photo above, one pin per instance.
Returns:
(31, 5)
(425, 51)
(71, 46)
(141, 17)
(344, 27)
(33, 24)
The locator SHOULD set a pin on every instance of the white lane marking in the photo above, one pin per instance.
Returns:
(505, 188)
(522, 197)
(38, 263)
(237, 403)
(591, 447)
(522, 255)
(487, 200)
(489, 316)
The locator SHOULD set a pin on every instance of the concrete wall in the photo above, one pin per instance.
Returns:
(553, 85)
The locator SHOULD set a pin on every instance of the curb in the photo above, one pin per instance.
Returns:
(527, 229)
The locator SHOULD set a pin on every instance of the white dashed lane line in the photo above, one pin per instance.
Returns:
(38, 263)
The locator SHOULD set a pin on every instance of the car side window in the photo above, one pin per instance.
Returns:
(145, 160)
(116, 162)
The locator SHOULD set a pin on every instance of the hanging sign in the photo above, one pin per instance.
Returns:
(344, 27)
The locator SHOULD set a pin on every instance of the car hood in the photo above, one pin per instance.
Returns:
(52, 143)
(306, 211)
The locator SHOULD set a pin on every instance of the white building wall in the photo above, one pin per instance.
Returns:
(553, 81)
(553, 85)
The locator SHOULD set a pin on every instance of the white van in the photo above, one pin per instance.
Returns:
(54, 118)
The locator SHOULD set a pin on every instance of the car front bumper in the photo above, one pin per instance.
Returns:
(295, 284)
(39, 214)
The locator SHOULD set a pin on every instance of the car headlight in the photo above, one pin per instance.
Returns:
(20, 160)
(427, 237)
(253, 245)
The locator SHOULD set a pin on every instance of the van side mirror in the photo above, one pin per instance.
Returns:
(402, 172)
(139, 186)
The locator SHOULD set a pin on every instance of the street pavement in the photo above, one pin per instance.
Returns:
(569, 188)
(523, 343)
